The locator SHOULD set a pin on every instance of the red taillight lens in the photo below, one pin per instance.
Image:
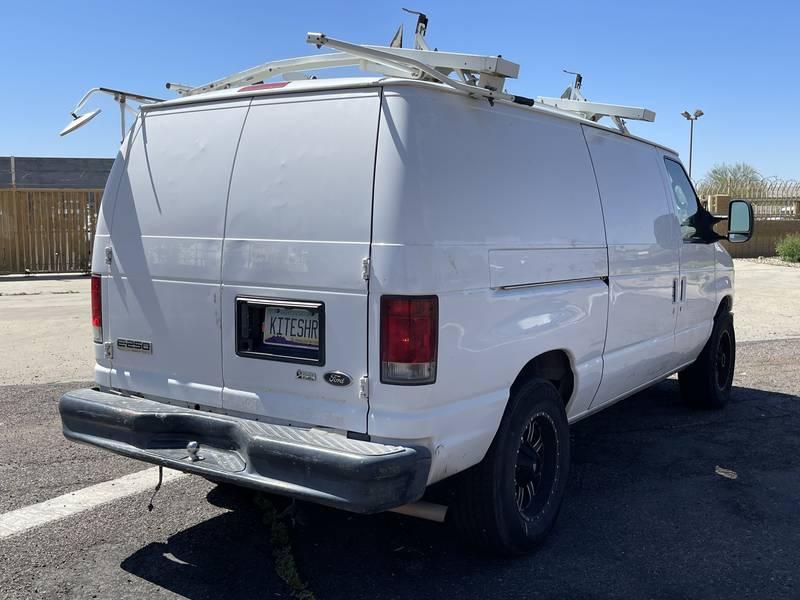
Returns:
(409, 326)
(97, 309)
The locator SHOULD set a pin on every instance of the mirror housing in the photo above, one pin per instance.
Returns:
(740, 221)
(79, 121)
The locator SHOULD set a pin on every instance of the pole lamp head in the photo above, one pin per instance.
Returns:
(692, 117)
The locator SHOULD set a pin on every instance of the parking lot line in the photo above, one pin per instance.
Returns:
(22, 519)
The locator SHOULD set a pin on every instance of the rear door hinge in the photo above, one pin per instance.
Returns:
(108, 350)
(365, 268)
(109, 254)
(363, 388)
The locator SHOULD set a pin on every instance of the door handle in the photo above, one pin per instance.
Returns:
(683, 288)
(674, 290)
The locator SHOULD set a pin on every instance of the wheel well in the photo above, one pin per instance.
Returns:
(553, 366)
(725, 305)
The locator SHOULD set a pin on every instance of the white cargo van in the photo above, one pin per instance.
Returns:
(346, 290)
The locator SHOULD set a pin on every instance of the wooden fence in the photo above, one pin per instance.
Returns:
(47, 231)
(774, 220)
(766, 235)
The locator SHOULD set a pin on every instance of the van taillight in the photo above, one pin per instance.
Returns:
(409, 326)
(97, 309)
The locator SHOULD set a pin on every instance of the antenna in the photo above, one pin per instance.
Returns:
(573, 93)
(578, 79)
(422, 28)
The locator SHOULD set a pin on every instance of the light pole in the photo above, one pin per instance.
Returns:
(691, 118)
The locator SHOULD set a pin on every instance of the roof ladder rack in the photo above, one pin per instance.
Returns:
(488, 72)
(479, 76)
(572, 101)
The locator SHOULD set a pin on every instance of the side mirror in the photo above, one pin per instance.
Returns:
(740, 221)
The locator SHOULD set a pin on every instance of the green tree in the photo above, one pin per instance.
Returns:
(730, 179)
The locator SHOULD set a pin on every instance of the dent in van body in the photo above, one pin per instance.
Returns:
(166, 231)
(485, 339)
(514, 268)
(298, 229)
(530, 214)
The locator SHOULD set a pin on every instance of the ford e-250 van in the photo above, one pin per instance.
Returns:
(346, 290)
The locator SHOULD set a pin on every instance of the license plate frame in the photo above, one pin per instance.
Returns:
(252, 315)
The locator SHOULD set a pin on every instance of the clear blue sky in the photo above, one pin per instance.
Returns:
(733, 59)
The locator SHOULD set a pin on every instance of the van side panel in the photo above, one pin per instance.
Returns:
(643, 245)
(166, 236)
(298, 229)
(472, 201)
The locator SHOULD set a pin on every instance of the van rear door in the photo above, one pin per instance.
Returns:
(166, 236)
(297, 231)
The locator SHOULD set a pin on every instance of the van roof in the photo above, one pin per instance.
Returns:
(336, 83)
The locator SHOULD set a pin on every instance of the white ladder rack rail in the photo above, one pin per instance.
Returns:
(399, 62)
(594, 111)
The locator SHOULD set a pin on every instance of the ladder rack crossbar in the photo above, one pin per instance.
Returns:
(596, 110)
(398, 61)
(418, 68)
(494, 65)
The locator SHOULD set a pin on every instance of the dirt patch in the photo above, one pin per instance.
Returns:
(45, 331)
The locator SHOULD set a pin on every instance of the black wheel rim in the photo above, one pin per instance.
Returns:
(724, 361)
(537, 465)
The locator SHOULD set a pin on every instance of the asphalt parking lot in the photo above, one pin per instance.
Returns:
(663, 501)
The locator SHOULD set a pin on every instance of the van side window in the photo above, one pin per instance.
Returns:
(687, 206)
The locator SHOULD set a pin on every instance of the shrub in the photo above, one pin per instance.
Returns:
(789, 248)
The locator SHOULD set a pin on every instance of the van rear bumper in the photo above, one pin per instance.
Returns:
(307, 464)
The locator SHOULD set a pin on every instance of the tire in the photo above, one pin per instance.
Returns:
(707, 382)
(508, 503)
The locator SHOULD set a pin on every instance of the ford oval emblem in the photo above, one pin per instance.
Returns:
(338, 378)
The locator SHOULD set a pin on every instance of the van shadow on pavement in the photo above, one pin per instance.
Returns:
(228, 556)
(646, 515)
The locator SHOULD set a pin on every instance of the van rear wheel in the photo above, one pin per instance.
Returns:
(707, 382)
(508, 503)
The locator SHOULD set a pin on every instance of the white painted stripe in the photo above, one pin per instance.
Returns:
(22, 519)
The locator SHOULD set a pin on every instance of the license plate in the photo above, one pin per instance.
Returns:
(285, 330)
(291, 327)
